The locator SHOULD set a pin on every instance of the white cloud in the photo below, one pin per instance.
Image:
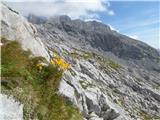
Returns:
(113, 28)
(29, 0)
(74, 8)
(134, 36)
(93, 20)
(61, 0)
(111, 12)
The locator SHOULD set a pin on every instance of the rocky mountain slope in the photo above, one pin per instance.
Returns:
(112, 77)
(105, 65)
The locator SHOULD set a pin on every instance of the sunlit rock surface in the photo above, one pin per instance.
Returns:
(10, 109)
(18, 28)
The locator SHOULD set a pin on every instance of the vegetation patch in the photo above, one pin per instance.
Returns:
(74, 55)
(85, 84)
(145, 116)
(72, 72)
(34, 85)
(106, 63)
(120, 102)
(79, 54)
(60, 62)
(114, 65)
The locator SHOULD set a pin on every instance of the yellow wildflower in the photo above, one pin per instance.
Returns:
(39, 66)
(60, 62)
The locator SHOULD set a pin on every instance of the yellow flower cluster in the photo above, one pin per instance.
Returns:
(39, 66)
(60, 62)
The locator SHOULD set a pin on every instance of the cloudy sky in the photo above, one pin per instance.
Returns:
(137, 19)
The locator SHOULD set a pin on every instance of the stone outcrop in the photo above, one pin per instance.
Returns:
(10, 109)
(15, 27)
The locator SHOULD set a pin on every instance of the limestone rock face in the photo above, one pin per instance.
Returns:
(10, 109)
(15, 27)
(104, 91)
(83, 90)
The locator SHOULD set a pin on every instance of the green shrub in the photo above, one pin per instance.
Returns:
(14, 60)
(36, 89)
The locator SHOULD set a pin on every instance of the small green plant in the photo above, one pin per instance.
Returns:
(114, 65)
(72, 72)
(85, 84)
(74, 55)
(145, 116)
(80, 54)
(87, 55)
(120, 103)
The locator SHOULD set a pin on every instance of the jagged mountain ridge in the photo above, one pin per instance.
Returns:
(99, 35)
